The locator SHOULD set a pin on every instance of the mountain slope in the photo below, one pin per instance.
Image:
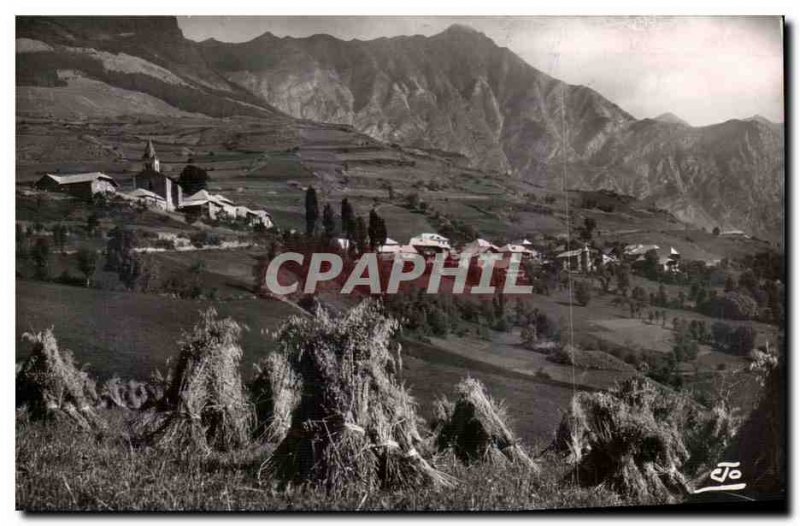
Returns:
(455, 92)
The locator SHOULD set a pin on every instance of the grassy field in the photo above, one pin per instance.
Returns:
(131, 335)
(60, 470)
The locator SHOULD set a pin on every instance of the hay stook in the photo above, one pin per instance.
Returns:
(474, 427)
(354, 423)
(640, 439)
(50, 385)
(204, 406)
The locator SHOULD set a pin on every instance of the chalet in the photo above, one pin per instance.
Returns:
(428, 244)
(147, 198)
(259, 217)
(670, 263)
(525, 252)
(202, 204)
(83, 185)
(634, 252)
(478, 247)
(153, 180)
(580, 259)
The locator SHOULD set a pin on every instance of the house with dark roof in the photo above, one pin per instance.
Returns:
(83, 185)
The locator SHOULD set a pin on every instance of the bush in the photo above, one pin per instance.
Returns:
(582, 293)
(733, 306)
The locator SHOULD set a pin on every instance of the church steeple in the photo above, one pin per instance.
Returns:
(151, 163)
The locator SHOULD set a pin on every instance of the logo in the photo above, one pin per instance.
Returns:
(724, 472)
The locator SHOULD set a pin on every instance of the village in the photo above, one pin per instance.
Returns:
(157, 191)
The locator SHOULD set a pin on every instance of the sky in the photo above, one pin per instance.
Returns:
(703, 69)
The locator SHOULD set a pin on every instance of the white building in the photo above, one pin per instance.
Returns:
(430, 242)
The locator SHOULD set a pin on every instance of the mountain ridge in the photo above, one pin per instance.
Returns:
(455, 91)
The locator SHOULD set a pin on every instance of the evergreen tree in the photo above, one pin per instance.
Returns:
(361, 235)
(377, 230)
(312, 211)
(348, 220)
(328, 221)
(41, 258)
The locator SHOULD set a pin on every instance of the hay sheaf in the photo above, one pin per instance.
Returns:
(474, 427)
(276, 393)
(639, 440)
(50, 385)
(204, 406)
(354, 422)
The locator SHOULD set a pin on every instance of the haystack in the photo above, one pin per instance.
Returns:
(475, 427)
(50, 385)
(626, 439)
(276, 393)
(354, 422)
(204, 406)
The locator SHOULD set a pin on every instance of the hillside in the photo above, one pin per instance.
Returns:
(456, 93)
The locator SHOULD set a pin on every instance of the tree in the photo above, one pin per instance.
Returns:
(360, 236)
(193, 179)
(662, 299)
(348, 219)
(715, 231)
(747, 280)
(651, 264)
(582, 293)
(92, 222)
(685, 347)
(328, 221)
(87, 263)
(376, 230)
(589, 225)
(312, 211)
(623, 279)
(730, 284)
(41, 258)
(60, 236)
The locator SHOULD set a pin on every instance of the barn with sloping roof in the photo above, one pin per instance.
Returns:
(83, 185)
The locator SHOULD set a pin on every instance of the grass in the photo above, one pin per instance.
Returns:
(59, 470)
(131, 334)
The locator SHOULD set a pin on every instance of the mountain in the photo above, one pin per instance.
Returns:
(671, 118)
(456, 91)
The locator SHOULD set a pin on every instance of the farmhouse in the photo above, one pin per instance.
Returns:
(526, 252)
(153, 180)
(479, 246)
(83, 185)
(251, 217)
(428, 243)
(202, 204)
(577, 260)
(147, 198)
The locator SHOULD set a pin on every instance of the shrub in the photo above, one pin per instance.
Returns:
(733, 306)
(582, 293)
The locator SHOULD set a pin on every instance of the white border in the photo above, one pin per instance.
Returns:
(335, 7)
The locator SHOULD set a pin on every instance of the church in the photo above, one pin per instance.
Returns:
(153, 180)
